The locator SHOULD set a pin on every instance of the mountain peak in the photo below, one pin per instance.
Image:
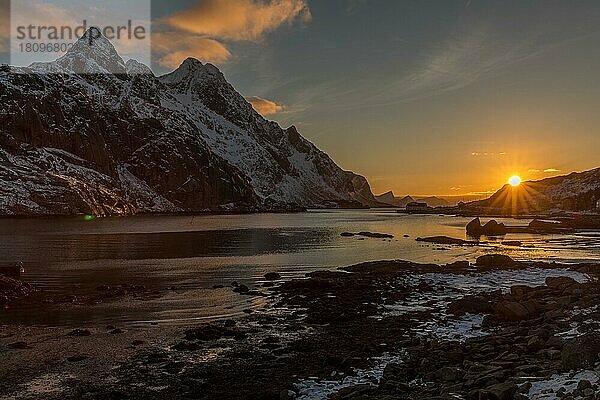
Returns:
(192, 70)
(93, 53)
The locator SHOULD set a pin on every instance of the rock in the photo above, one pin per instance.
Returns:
(242, 289)
(450, 374)
(214, 332)
(441, 240)
(347, 234)
(376, 235)
(581, 352)
(491, 261)
(547, 227)
(501, 391)
(493, 228)
(584, 384)
(19, 345)
(519, 290)
(13, 271)
(560, 282)
(272, 276)
(80, 332)
(535, 344)
(474, 228)
(512, 243)
(470, 304)
(77, 358)
(458, 265)
(218, 286)
(513, 311)
(525, 387)
(137, 343)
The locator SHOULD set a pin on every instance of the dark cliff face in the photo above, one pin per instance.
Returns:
(126, 142)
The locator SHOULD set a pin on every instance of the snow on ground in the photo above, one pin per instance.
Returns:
(546, 389)
(314, 389)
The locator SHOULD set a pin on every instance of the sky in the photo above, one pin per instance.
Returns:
(447, 97)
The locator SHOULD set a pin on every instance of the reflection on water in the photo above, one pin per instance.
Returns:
(195, 253)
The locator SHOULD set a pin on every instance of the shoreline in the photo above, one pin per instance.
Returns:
(314, 333)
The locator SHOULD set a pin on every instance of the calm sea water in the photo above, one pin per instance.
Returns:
(71, 255)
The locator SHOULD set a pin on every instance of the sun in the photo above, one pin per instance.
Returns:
(515, 180)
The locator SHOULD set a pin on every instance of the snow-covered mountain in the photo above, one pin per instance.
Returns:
(125, 141)
(578, 191)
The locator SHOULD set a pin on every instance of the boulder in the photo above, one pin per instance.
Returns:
(500, 391)
(515, 311)
(470, 304)
(474, 228)
(491, 261)
(581, 352)
(560, 282)
(272, 276)
(441, 240)
(493, 228)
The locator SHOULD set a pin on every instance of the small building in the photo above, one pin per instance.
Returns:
(417, 207)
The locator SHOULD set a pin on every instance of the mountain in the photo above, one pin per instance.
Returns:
(389, 198)
(433, 201)
(578, 191)
(89, 133)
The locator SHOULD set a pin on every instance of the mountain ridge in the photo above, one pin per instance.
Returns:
(128, 142)
(577, 191)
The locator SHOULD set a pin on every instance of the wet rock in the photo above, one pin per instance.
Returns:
(474, 228)
(535, 344)
(214, 332)
(584, 384)
(80, 332)
(272, 276)
(560, 282)
(218, 286)
(492, 261)
(514, 311)
(519, 290)
(19, 345)
(458, 266)
(470, 304)
(492, 228)
(441, 240)
(450, 374)
(242, 289)
(581, 352)
(77, 358)
(347, 234)
(501, 391)
(186, 346)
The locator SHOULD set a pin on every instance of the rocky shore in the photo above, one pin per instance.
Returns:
(499, 329)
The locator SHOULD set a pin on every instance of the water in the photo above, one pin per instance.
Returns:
(72, 255)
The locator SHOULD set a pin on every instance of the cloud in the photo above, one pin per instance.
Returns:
(265, 107)
(173, 48)
(546, 171)
(239, 20)
(488, 154)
